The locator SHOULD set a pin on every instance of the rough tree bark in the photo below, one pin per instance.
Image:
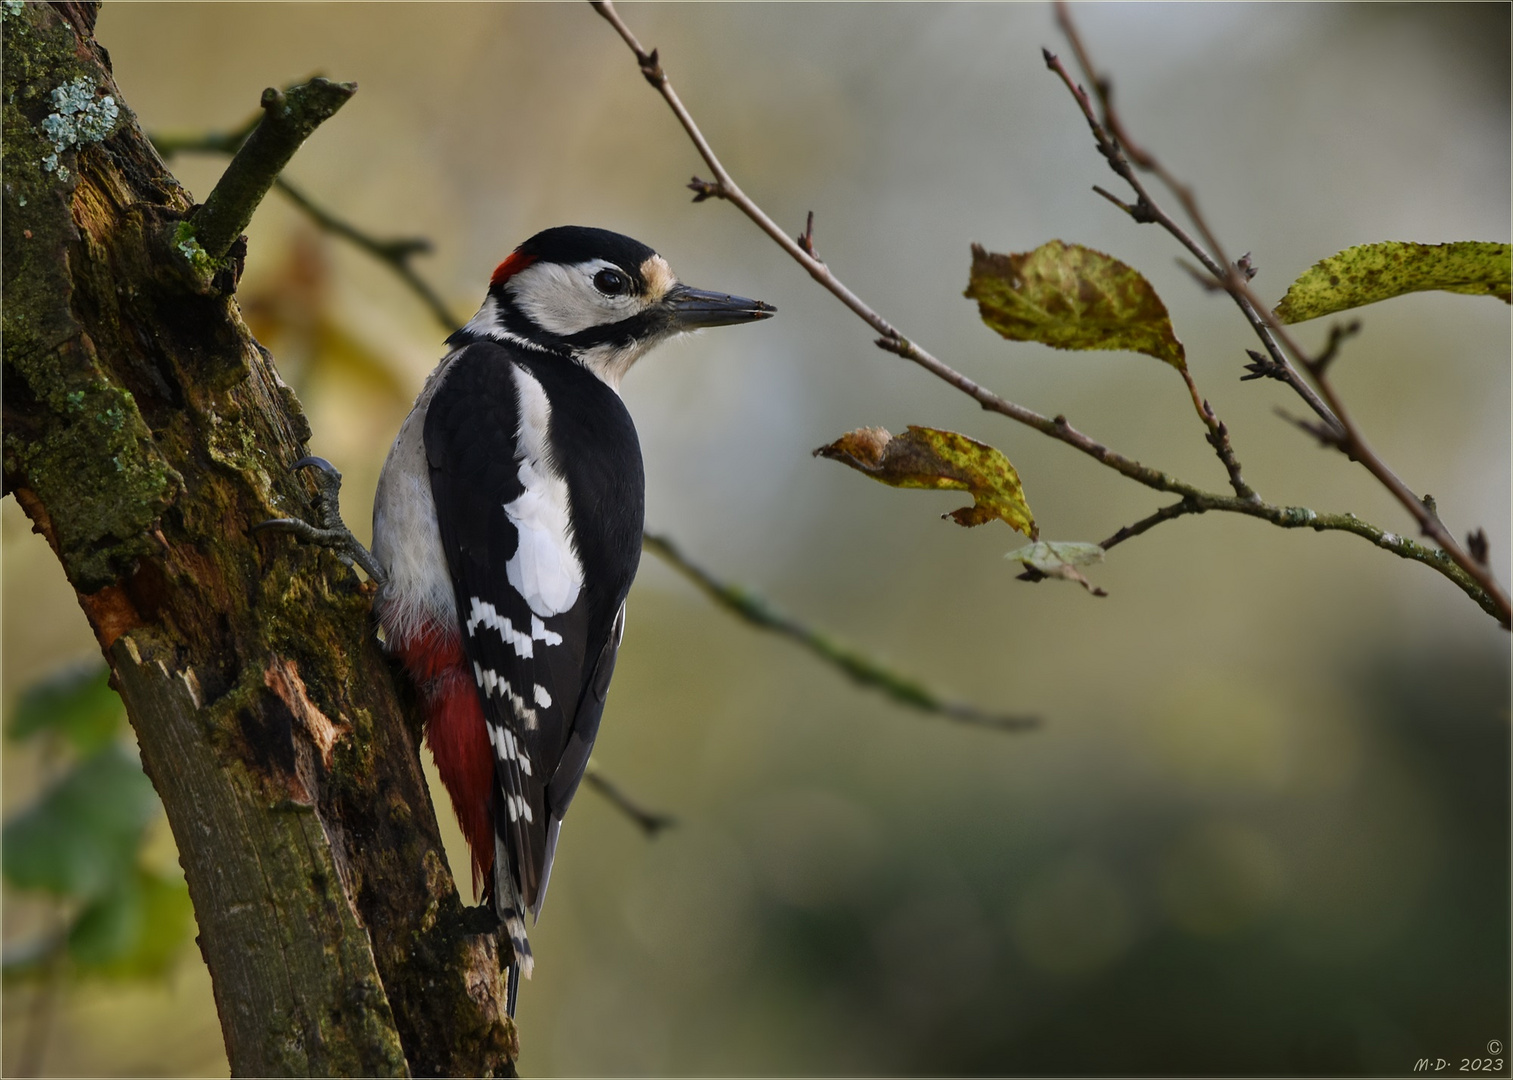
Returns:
(145, 432)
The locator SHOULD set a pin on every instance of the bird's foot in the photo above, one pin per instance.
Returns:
(332, 532)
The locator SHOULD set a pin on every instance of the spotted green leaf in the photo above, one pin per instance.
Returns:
(1371, 272)
(927, 458)
(1072, 297)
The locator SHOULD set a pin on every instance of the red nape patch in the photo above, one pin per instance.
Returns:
(459, 743)
(510, 267)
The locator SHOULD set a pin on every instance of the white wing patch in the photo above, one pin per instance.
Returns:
(544, 569)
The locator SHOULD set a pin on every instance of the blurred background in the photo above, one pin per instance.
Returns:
(1264, 827)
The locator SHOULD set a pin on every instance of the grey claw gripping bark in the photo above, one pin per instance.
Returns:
(332, 532)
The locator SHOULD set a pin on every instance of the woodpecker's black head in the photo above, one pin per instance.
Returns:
(598, 297)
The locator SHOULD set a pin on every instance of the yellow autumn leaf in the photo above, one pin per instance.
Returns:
(929, 458)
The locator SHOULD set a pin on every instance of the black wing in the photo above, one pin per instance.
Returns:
(541, 673)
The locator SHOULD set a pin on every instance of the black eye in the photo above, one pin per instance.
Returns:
(611, 282)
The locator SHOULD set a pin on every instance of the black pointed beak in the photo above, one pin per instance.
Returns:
(692, 309)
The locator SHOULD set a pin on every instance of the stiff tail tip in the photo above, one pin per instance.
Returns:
(514, 929)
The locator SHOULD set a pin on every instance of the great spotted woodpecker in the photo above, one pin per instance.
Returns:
(507, 531)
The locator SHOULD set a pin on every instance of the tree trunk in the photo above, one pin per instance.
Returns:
(145, 432)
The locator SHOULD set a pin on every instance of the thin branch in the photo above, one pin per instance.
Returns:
(1146, 211)
(395, 253)
(723, 187)
(1104, 88)
(651, 822)
(289, 118)
(1279, 342)
(864, 669)
(1145, 524)
(206, 142)
(806, 238)
(1327, 436)
(1338, 334)
(891, 340)
(1353, 443)
(1218, 438)
(1301, 517)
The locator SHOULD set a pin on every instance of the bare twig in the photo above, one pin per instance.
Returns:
(1301, 517)
(1104, 88)
(1327, 436)
(1146, 211)
(891, 340)
(289, 118)
(1218, 438)
(207, 142)
(1353, 444)
(864, 669)
(1338, 334)
(1338, 428)
(651, 822)
(806, 238)
(396, 253)
(1166, 513)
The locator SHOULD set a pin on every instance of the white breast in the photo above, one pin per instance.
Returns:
(406, 540)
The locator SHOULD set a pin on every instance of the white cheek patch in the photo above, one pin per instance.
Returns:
(544, 569)
(562, 299)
